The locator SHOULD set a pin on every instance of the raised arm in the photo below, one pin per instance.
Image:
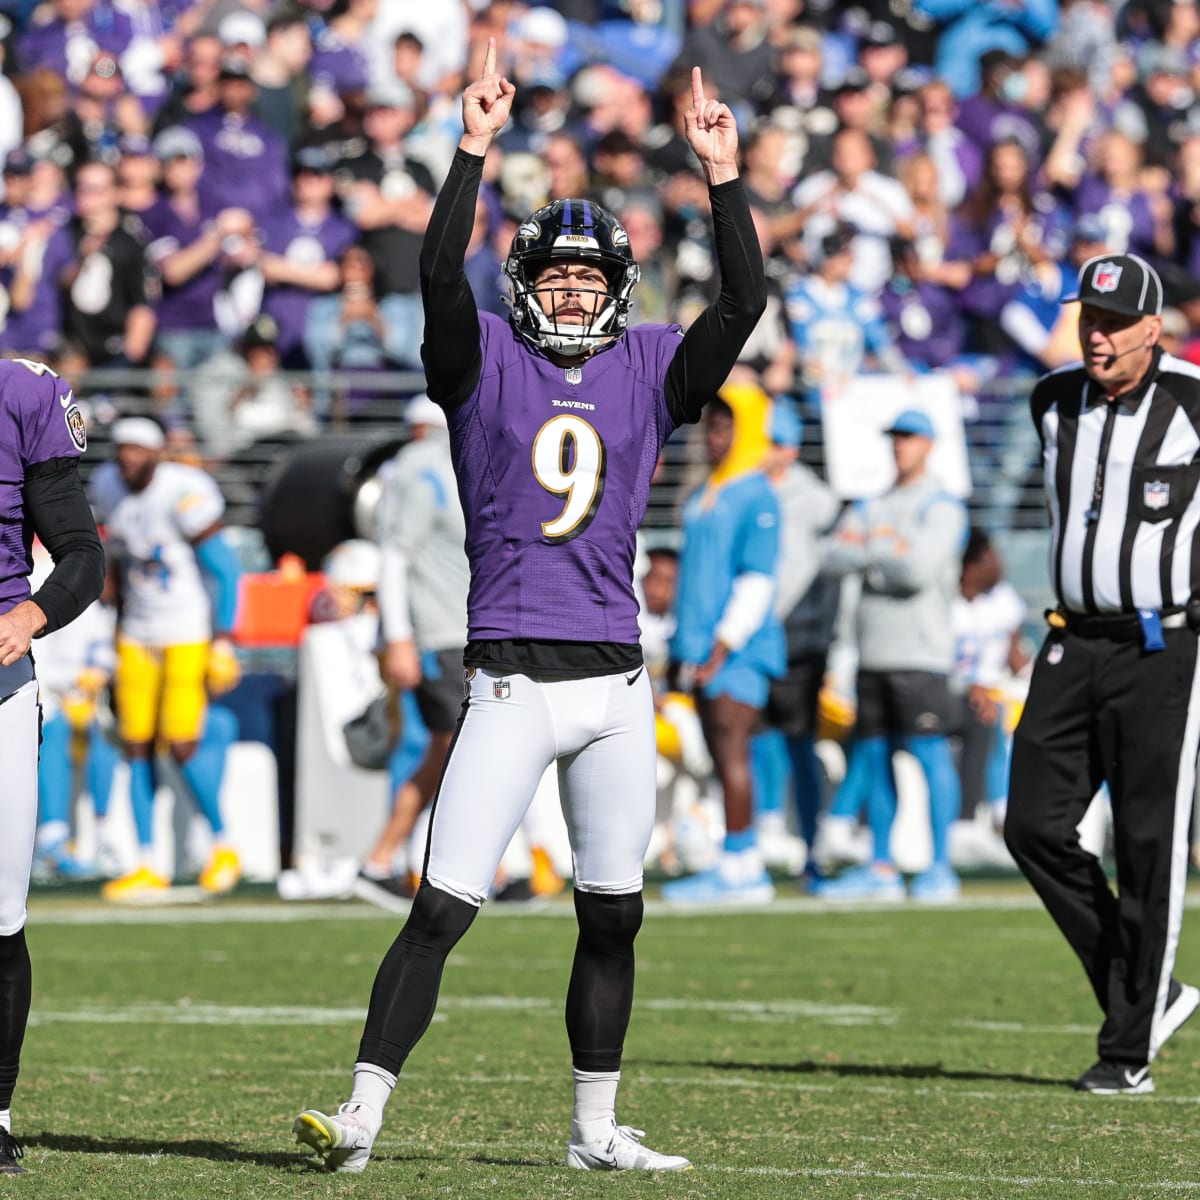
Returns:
(715, 339)
(451, 351)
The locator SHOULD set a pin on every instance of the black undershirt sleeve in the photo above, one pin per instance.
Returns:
(715, 339)
(451, 352)
(58, 511)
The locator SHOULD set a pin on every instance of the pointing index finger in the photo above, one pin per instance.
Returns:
(489, 59)
(697, 88)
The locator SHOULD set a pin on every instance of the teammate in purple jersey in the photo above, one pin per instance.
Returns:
(557, 419)
(42, 435)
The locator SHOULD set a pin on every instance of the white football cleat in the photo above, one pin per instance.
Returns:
(344, 1140)
(607, 1146)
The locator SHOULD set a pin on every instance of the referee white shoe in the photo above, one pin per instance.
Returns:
(1182, 1002)
(607, 1146)
(343, 1140)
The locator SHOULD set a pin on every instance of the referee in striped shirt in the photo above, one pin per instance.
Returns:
(1115, 693)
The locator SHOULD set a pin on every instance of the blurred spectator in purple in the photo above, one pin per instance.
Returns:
(71, 35)
(994, 112)
(971, 29)
(301, 250)
(195, 89)
(184, 247)
(923, 317)
(1131, 202)
(1160, 111)
(346, 330)
(936, 232)
(853, 194)
(239, 147)
(735, 56)
(1016, 236)
(138, 173)
(339, 66)
(281, 72)
(102, 111)
(106, 310)
(389, 197)
(33, 315)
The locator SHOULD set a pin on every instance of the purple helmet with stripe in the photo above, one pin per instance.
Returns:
(575, 231)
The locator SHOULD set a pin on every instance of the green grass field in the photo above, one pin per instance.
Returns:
(789, 1052)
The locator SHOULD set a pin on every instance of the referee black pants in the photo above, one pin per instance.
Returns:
(1105, 710)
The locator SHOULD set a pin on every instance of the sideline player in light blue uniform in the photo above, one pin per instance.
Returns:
(727, 634)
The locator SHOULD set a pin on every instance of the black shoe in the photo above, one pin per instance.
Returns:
(10, 1151)
(515, 891)
(1109, 1078)
(394, 893)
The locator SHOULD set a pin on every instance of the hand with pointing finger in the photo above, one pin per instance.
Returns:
(486, 105)
(712, 134)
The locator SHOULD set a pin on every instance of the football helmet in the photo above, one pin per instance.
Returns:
(577, 231)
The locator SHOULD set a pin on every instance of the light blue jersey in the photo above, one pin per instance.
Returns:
(728, 531)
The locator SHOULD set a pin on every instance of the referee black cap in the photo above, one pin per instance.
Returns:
(1120, 283)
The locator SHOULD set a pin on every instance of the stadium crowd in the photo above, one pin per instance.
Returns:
(228, 191)
(219, 189)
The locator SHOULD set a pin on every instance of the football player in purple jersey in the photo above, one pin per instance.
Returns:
(557, 418)
(42, 435)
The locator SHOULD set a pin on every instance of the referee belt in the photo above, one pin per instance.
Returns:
(1117, 627)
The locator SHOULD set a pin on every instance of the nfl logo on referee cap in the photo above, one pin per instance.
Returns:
(1156, 494)
(1106, 277)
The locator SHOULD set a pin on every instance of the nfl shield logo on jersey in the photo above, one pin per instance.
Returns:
(1054, 654)
(1156, 494)
(501, 688)
(574, 374)
(1106, 277)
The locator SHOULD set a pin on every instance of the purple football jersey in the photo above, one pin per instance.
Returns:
(554, 467)
(39, 420)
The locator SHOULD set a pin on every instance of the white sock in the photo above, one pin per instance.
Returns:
(372, 1089)
(595, 1096)
(6, 1119)
(50, 833)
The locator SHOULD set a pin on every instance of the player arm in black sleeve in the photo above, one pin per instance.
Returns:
(451, 352)
(58, 511)
(715, 339)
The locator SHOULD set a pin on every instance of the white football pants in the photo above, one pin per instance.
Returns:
(18, 802)
(600, 731)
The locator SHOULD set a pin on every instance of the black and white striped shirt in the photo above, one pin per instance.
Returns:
(1121, 484)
